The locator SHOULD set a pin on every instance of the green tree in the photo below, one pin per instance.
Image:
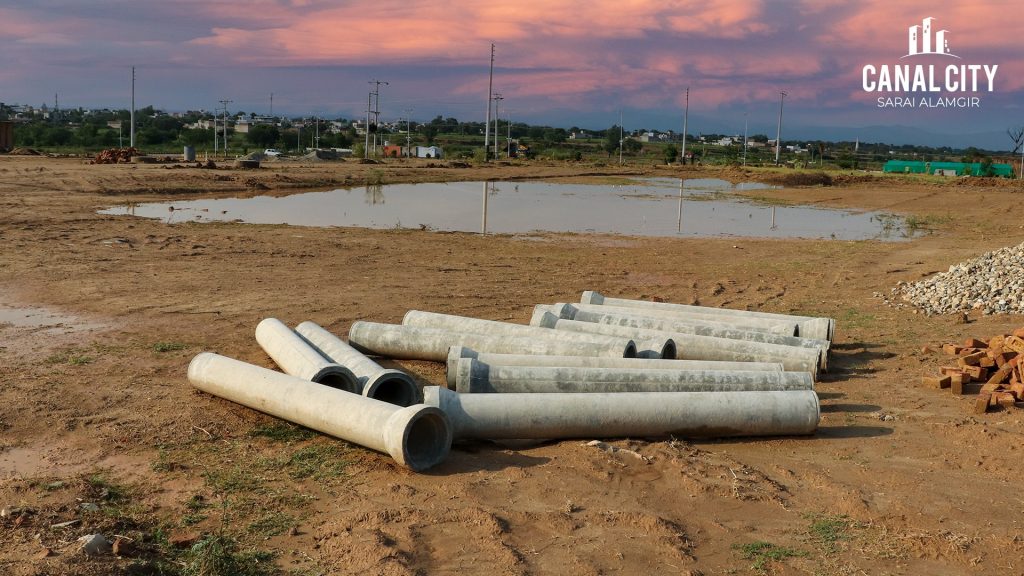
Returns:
(671, 153)
(263, 135)
(611, 140)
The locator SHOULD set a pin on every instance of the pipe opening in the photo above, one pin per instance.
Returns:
(668, 352)
(630, 351)
(339, 381)
(397, 391)
(427, 440)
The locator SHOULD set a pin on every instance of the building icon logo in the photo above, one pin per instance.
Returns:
(920, 40)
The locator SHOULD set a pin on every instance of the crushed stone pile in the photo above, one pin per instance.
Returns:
(992, 283)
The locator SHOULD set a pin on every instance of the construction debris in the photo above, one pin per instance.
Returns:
(990, 368)
(992, 283)
(116, 156)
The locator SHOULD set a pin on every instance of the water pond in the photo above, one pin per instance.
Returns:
(648, 207)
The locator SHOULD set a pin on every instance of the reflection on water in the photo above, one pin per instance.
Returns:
(703, 207)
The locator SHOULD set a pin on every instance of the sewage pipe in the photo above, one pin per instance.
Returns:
(655, 347)
(596, 315)
(473, 376)
(414, 343)
(385, 384)
(617, 415)
(417, 437)
(810, 327)
(455, 353)
(693, 347)
(296, 357)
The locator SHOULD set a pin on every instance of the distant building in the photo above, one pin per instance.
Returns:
(394, 151)
(429, 152)
(6, 135)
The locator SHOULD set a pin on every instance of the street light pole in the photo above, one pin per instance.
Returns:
(132, 130)
(225, 104)
(487, 120)
(778, 133)
(620, 136)
(744, 138)
(497, 102)
(686, 116)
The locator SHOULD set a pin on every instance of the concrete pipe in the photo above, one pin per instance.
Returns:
(655, 347)
(685, 414)
(414, 343)
(668, 325)
(385, 384)
(782, 327)
(809, 327)
(415, 436)
(473, 376)
(455, 353)
(296, 357)
(693, 347)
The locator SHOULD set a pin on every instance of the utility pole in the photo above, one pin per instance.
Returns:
(376, 110)
(497, 102)
(744, 138)
(131, 141)
(408, 134)
(621, 140)
(225, 104)
(366, 146)
(215, 137)
(298, 136)
(508, 140)
(271, 105)
(490, 90)
(778, 133)
(686, 116)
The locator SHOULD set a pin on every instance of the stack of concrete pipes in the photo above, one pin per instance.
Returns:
(619, 371)
(603, 368)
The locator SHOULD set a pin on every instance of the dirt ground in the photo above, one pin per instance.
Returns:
(100, 315)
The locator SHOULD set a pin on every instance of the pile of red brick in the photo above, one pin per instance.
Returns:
(992, 369)
(115, 156)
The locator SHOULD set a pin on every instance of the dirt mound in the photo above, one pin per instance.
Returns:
(24, 152)
(799, 179)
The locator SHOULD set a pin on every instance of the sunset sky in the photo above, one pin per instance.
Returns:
(558, 62)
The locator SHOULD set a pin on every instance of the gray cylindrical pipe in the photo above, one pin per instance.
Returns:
(679, 326)
(654, 347)
(473, 376)
(385, 384)
(414, 343)
(296, 357)
(693, 347)
(415, 436)
(810, 327)
(686, 414)
(772, 325)
(455, 353)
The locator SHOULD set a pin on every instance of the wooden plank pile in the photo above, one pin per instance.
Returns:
(116, 156)
(991, 368)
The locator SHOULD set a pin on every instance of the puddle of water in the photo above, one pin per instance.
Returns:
(651, 207)
(39, 318)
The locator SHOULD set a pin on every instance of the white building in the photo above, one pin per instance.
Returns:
(429, 152)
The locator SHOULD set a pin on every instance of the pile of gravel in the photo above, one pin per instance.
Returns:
(992, 283)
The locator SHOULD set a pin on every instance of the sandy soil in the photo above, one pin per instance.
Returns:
(99, 316)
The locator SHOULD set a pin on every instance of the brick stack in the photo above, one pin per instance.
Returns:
(115, 156)
(991, 369)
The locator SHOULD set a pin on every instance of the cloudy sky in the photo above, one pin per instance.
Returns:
(559, 62)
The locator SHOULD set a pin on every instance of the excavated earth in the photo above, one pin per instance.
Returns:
(100, 315)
